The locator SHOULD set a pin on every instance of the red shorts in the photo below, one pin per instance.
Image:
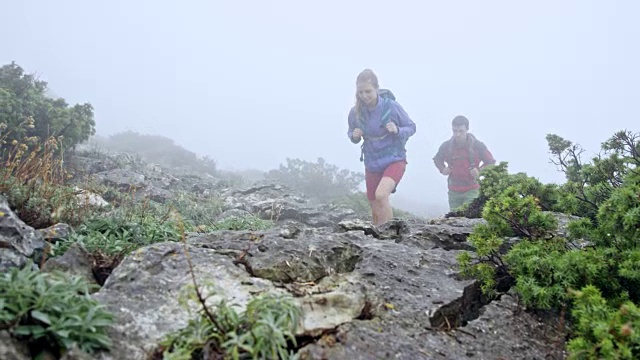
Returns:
(394, 170)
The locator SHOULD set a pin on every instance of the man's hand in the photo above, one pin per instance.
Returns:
(392, 128)
(357, 134)
(474, 172)
(445, 171)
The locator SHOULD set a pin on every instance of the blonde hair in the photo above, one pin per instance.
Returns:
(365, 76)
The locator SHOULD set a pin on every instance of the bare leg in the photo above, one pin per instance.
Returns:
(374, 211)
(381, 206)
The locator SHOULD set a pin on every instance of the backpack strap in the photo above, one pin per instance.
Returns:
(471, 147)
(472, 150)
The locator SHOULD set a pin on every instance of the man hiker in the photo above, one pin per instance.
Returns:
(459, 158)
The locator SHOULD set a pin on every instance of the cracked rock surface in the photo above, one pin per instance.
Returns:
(389, 292)
(361, 297)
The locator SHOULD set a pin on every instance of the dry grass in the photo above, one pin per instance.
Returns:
(32, 178)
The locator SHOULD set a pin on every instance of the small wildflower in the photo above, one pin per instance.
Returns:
(31, 126)
(3, 126)
(14, 142)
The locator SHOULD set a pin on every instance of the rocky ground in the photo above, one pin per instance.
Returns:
(365, 293)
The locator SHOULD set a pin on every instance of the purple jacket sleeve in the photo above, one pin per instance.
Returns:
(406, 126)
(352, 125)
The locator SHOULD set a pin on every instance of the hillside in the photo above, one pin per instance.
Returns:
(133, 247)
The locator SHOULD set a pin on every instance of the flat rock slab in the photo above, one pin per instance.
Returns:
(503, 331)
(144, 290)
(448, 233)
(417, 284)
(144, 293)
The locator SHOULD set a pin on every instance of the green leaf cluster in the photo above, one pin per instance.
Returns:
(603, 332)
(265, 330)
(52, 311)
(124, 230)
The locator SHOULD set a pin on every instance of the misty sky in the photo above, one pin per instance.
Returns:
(251, 83)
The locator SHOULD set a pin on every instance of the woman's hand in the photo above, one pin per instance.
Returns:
(357, 134)
(392, 128)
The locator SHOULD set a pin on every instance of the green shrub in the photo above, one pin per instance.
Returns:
(495, 180)
(320, 180)
(588, 185)
(51, 311)
(601, 255)
(602, 332)
(508, 214)
(23, 97)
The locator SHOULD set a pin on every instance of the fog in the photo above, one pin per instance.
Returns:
(251, 83)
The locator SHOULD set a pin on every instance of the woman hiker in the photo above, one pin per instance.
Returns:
(385, 127)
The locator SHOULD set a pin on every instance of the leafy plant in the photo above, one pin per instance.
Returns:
(263, 331)
(250, 222)
(117, 235)
(52, 311)
(603, 332)
(108, 239)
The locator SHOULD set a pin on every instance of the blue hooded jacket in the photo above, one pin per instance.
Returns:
(380, 147)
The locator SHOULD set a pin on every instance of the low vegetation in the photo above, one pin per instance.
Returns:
(265, 330)
(595, 271)
(318, 180)
(53, 312)
(327, 183)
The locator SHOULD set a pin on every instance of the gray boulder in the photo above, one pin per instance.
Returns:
(18, 241)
